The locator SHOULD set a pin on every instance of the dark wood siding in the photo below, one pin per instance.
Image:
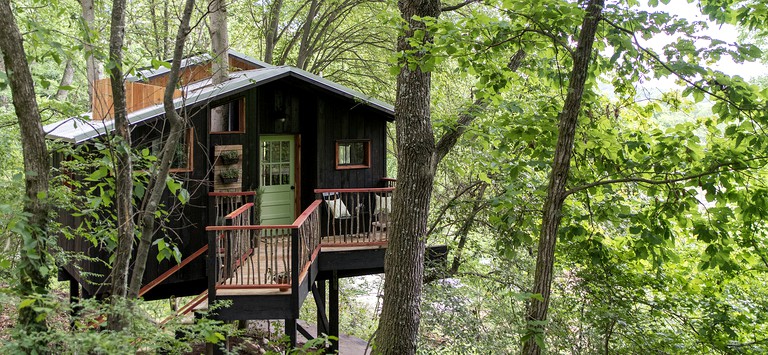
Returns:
(287, 106)
(337, 121)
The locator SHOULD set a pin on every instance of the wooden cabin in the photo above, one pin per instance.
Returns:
(288, 184)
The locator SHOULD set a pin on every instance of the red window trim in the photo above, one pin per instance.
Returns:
(366, 146)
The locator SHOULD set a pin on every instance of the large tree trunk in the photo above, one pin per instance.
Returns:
(156, 185)
(270, 37)
(33, 259)
(3, 98)
(304, 46)
(66, 80)
(542, 283)
(219, 41)
(404, 260)
(93, 67)
(123, 167)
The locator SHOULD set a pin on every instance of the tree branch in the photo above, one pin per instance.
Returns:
(156, 185)
(449, 139)
(668, 68)
(715, 170)
(447, 8)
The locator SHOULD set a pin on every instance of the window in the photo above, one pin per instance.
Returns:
(276, 163)
(353, 154)
(182, 159)
(229, 117)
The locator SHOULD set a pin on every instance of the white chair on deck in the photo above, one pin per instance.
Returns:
(340, 221)
(381, 212)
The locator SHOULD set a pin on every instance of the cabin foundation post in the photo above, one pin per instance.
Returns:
(290, 329)
(333, 311)
(290, 324)
(74, 300)
(318, 293)
(214, 349)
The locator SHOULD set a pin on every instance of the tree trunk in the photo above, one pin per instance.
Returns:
(3, 98)
(304, 46)
(542, 283)
(33, 258)
(66, 80)
(270, 37)
(93, 67)
(219, 41)
(123, 168)
(156, 185)
(404, 260)
(166, 27)
(159, 39)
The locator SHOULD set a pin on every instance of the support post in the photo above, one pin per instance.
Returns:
(74, 300)
(295, 283)
(333, 312)
(211, 349)
(290, 329)
(211, 268)
(318, 291)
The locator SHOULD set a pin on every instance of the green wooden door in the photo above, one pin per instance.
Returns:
(277, 180)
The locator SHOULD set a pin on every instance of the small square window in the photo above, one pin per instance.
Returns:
(353, 154)
(229, 117)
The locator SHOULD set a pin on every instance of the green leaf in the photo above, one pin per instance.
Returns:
(98, 174)
(183, 196)
(26, 303)
(172, 185)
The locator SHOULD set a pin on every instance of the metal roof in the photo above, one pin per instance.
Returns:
(81, 128)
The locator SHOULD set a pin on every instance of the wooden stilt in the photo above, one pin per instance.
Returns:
(333, 311)
(318, 292)
(213, 349)
(74, 300)
(290, 330)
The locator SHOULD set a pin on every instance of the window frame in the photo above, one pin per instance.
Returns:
(241, 116)
(189, 135)
(366, 164)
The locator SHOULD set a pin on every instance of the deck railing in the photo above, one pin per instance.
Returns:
(355, 217)
(223, 203)
(388, 182)
(255, 256)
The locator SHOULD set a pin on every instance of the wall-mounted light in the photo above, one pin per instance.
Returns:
(280, 119)
(279, 116)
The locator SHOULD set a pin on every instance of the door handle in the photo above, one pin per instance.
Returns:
(293, 187)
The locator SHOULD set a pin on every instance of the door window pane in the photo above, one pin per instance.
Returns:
(276, 163)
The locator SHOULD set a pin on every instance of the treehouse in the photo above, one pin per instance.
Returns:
(287, 178)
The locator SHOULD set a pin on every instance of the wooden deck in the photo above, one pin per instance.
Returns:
(331, 263)
(360, 239)
(265, 269)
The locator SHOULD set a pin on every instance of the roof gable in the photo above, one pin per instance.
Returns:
(81, 128)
